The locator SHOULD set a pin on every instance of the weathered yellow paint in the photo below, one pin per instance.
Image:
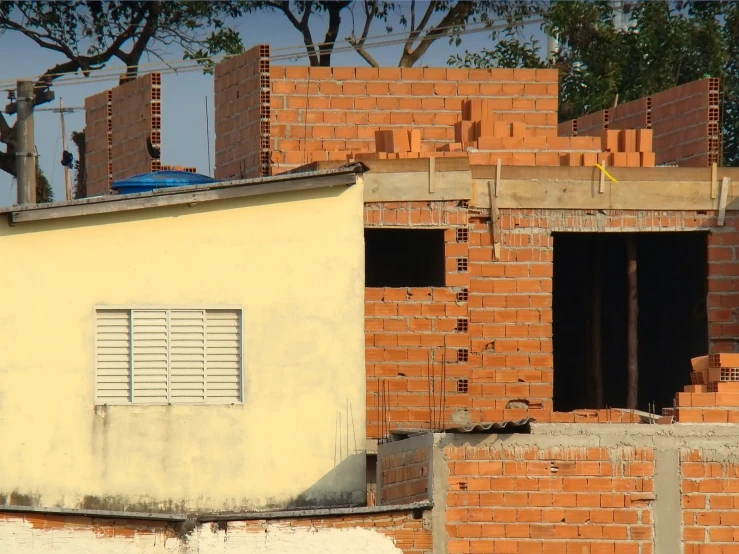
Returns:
(294, 261)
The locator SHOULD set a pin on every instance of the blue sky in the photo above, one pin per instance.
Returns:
(183, 95)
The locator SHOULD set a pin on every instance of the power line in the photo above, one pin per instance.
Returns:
(293, 53)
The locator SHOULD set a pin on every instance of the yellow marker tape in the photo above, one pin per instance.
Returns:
(603, 169)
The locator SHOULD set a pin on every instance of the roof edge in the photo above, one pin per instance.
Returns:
(189, 194)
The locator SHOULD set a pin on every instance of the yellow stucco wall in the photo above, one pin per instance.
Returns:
(293, 261)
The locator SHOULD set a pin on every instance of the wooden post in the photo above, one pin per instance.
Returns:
(596, 363)
(631, 336)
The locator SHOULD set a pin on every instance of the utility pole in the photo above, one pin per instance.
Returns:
(26, 150)
(67, 177)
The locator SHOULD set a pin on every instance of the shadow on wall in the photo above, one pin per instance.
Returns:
(349, 470)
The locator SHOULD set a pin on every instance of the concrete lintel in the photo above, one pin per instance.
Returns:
(311, 513)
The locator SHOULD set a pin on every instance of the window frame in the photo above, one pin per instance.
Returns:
(169, 307)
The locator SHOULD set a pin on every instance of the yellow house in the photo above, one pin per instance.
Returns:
(200, 348)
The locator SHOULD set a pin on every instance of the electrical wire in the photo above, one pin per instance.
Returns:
(294, 53)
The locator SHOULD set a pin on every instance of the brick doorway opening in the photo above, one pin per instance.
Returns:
(590, 316)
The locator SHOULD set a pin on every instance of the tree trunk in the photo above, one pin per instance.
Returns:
(631, 336)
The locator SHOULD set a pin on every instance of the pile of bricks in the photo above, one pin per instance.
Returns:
(713, 396)
(685, 121)
(486, 137)
(178, 168)
(624, 148)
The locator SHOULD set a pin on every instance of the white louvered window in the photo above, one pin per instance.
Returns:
(168, 356)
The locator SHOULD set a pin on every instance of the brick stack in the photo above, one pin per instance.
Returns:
(178, 168)
(98, 142)
(243, 115)
(713, 396)
(137, 117)
(685, 121)
(625, 148)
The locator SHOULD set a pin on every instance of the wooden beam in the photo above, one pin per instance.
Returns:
(722, 199)
(632, 340)
(121, 203)
(414, 186)
(583, 195)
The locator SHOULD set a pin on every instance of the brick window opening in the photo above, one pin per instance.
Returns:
(461, 264)
(462, 234)
(404, 257)
(590, 316)
(463, 385)
(463, 295)
(463, 355)
(462, 324)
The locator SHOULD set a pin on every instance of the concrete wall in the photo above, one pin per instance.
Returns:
(397, 532)
(293, 261)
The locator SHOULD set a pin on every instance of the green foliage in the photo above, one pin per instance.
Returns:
(43, 187)
(80, 168)
(664, 44)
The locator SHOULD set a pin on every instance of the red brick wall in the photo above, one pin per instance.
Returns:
(137, 115)
(410, 534)
(554, 501)
(685, 121)
(710, 503)
(242, 116)
(320, 113)
(414, 333)
(98, 160)
(405, 471)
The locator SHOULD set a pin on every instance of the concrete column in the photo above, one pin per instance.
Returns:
(26, 151)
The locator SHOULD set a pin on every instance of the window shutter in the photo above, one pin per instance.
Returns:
(150, 356)
(187, 356)
(113, 357)
(223, 355)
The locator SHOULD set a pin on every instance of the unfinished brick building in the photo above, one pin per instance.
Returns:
(495, 306)
(501, 293)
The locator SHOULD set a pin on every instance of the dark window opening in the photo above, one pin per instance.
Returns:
(404, 257)
(672, 324)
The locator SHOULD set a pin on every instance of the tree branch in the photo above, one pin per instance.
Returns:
(416, 31)
(334, 22)
(301, 26)
(133, 58)
(455, 16)
(370, 11)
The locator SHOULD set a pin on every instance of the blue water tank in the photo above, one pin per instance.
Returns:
(147, 182)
